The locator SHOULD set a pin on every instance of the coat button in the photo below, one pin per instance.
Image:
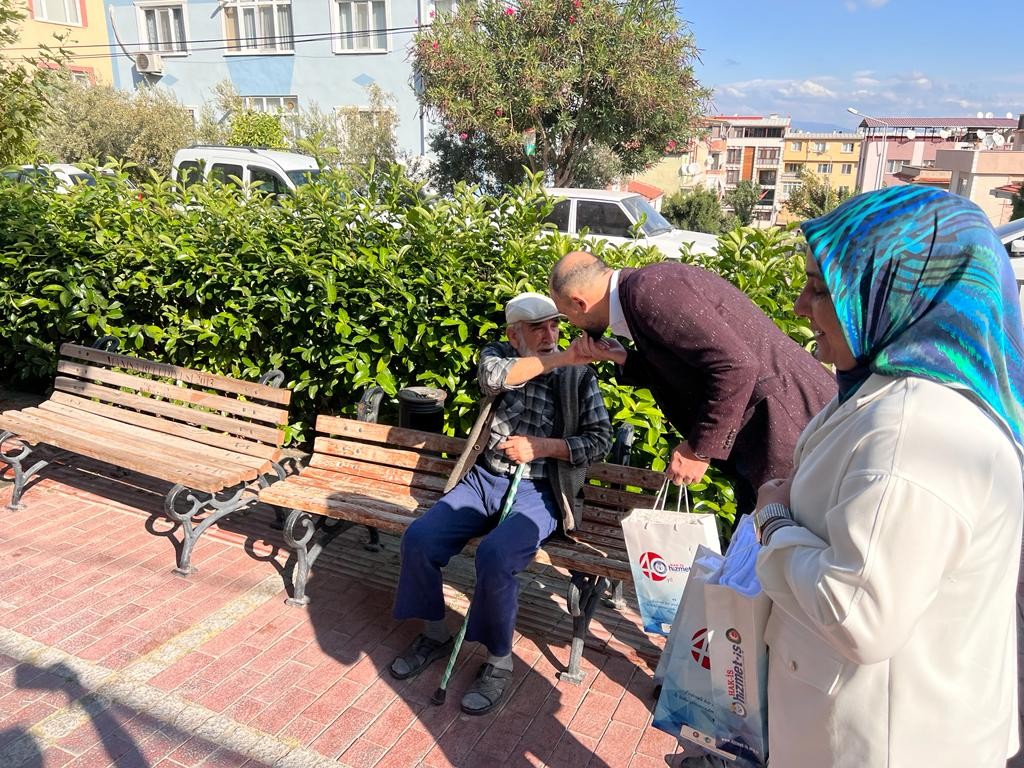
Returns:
(792, 666)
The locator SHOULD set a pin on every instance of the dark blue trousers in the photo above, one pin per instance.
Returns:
(469, 510)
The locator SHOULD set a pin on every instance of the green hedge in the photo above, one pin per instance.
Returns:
(342, 286)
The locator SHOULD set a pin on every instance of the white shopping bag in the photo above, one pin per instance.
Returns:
(737, 612)
(662, 544)
(685, 706)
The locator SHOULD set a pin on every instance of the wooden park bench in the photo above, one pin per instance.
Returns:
(385, 477)
(215, 438)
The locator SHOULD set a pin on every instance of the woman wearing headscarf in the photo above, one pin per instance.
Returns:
(891, 554)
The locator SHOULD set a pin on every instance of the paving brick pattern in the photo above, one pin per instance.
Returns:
(109, 659)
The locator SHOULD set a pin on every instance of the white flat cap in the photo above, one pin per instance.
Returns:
(530, 307)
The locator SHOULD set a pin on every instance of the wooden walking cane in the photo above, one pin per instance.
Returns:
(442, 690)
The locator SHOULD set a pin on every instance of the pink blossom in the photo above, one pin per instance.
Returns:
(435, 46)
(510, 11)
(432, 14)
(463, 136)
(577, 4)
(572, 19)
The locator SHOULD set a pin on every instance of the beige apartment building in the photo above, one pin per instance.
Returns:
(84, 24)
(753, 152)
(833, 157)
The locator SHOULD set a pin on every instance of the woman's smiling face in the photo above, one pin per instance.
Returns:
(815, 303)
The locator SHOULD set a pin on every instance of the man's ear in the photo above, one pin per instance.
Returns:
(579, 300)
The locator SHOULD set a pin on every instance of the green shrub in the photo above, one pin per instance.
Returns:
(345, 285)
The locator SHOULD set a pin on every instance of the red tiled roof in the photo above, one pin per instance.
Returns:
(649, 191)
(1008, 190)
(940, 122)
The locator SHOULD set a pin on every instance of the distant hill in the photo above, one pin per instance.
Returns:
(811, 127)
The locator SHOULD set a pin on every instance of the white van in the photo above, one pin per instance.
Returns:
(622, 217)
(277, 172)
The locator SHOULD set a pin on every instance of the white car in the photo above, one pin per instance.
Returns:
(622, 217)
(63, 176)
(277, 172)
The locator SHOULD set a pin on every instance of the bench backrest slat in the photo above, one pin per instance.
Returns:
(178, 429)
(619, 474)
(202, 379)
(178, 395)
(395, 475)
(238, 427)
(395, 457)
(381, 433)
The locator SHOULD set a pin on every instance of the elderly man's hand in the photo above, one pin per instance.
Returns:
(519, 449)
(587, 350)
(685, 468)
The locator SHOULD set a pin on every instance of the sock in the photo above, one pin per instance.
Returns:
(436, 630)
(501, 662)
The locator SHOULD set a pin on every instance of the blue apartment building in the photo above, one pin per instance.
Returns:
(280, 55)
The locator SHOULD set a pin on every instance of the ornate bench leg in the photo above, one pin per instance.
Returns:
(299, 530)
(584, 595)
(183, 504)
(14, 461)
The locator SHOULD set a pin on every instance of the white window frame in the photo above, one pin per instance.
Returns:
(452, 7)
(824, 167)
(264, 46)
(819, 147)
(846, 169)
(847, 147)
(339, 37)
(793, 168)
(39, 13)
(141, 6)
(259, 103)
(796, 146)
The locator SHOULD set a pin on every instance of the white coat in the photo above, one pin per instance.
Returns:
(892, 639)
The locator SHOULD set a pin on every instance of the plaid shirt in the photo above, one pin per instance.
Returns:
(529, 410)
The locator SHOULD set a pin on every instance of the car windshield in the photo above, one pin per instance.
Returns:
(303, 177)
(654, 222)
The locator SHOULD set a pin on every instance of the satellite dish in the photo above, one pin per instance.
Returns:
(980, 114)
(998, 139)
(1009, 115)
(911, 134)
(692, 169)
(981, 134)
(945, 133)
(988, 115)
(988, 143)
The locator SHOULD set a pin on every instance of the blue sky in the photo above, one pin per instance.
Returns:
(811, 59)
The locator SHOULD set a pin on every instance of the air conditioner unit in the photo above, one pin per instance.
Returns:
(149, 63)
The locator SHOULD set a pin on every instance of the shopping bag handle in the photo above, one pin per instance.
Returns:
(662, 497)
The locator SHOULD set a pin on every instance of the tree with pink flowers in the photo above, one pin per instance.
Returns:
(580, 89)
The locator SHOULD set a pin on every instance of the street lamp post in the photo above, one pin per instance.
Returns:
(885, 144)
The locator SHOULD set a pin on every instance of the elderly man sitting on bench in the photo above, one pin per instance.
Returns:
(542, 408)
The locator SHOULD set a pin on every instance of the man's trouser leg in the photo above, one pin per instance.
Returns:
(503, 553)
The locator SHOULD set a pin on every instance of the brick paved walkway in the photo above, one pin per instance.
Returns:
(107, 658)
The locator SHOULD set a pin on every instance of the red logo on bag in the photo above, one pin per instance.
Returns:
(699, 651)
(653, 566)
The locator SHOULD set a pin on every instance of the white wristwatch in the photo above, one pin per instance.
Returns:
(768, 513)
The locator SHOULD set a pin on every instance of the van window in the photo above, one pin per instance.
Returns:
(559, 216)
(226, 173)
(602, 218)
(189, 172)
(269, 182)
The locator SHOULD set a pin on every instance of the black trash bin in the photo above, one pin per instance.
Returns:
(421, 408)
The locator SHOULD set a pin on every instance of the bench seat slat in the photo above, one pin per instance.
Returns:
(374, 512)
(394, 436)
(329, 480)
(268, 435)
(167, 443)
(194, 397)
(35, 430)
(357, 489)
(202, 379)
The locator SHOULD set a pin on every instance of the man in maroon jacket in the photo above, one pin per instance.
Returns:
(736, 387)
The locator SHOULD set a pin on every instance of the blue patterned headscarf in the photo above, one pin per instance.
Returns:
(923, 287)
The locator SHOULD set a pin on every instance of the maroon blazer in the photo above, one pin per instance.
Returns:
(736, 387)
